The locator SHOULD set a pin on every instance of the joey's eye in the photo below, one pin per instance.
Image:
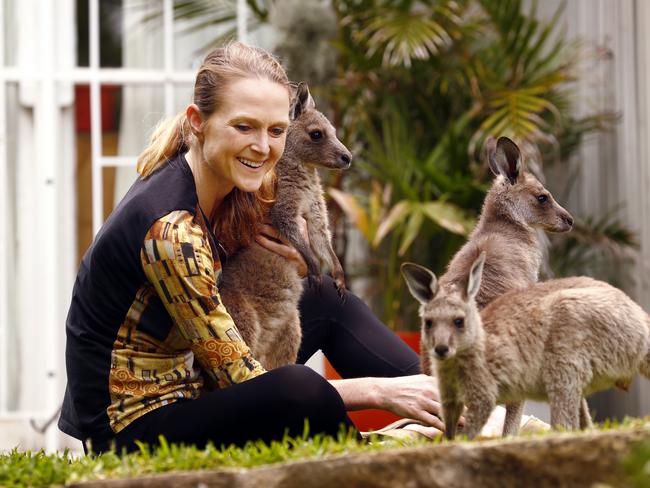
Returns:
(428, 324)
(459, 323)
(542, 198)
(316, 135)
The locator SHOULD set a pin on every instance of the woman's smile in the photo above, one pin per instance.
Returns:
(251, 164)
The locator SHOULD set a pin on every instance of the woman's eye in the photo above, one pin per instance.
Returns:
(277, 132)
(459, 323)
(316, 135)
(242, 127)
(542, 199)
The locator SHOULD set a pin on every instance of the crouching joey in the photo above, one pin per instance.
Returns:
(557, 341)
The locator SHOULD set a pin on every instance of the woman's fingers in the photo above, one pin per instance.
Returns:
(271, 232)
(276, 247)
(282, 249)
(432, 420)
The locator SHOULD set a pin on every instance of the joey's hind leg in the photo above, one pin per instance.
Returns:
(283, 349)
(565, 406)
(565, 375)
(585, 416)
(512, 421)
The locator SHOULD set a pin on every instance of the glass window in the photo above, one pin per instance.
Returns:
(9, 26)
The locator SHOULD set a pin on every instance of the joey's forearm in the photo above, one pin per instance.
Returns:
(360, 393)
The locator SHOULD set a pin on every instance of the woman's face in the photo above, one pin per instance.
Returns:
(244, 138)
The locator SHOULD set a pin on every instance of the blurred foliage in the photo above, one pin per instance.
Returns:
(417, 88)
(637, 465)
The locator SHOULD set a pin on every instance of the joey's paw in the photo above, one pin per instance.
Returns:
(315, 281)
(341, 290)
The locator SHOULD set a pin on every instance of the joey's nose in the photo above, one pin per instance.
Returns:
(346, 159)
(441, 351)
(568, 220)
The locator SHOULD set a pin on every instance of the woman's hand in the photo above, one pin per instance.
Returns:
(269, 238)
(416, 397)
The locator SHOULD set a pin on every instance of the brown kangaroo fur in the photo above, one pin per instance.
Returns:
(260, 289)
(514, 209)
(558, 340)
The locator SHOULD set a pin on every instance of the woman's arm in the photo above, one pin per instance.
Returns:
(415, 397)
(178, 262)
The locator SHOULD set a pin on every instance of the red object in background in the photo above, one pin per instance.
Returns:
(375, 419)
(109, 96)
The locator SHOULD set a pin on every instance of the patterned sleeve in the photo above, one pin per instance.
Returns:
(178, 261)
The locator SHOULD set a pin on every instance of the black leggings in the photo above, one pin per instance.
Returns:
(351, 337)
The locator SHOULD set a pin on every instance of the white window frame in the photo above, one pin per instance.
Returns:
(46, 82)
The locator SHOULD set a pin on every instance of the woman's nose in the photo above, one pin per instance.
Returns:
(261, 144)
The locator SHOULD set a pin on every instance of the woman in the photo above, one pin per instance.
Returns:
(151, 350)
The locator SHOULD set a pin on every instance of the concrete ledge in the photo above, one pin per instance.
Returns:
(571, 460)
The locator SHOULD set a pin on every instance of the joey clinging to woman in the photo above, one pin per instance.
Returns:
(261, 289)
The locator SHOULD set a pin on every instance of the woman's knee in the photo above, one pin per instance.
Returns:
(308, 392)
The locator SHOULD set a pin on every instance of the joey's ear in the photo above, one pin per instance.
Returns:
(504, 158)
(302, 101)
(422, 283)
(474, 278)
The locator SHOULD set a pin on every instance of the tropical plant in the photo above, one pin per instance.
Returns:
(419, 85)
(423, 83)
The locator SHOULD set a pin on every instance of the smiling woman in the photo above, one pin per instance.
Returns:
(151, 348)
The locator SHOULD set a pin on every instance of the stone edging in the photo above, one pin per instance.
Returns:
(571, 460)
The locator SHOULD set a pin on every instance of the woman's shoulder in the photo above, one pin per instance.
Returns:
(168, 195)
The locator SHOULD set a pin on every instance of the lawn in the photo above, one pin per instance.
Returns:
(20, 469)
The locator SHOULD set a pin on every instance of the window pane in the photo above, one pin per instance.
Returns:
(111, 22)
(182, 96)
(143, 42)
(129, 113)
(10, 32)
(10, 377)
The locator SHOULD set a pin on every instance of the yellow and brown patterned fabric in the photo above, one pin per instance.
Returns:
(146, 327)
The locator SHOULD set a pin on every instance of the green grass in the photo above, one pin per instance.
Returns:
(637, 465)
(21, 469)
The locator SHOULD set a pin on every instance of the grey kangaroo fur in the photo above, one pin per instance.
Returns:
(515, 207)
(260, 289)
(558, 340)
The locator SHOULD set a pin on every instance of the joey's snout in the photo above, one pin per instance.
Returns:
(568, 221)
(345, 160)
(441, 351)
(565, 221)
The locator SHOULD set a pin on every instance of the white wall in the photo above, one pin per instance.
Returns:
(614, 76)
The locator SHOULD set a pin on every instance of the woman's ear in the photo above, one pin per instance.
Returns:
(195, 119)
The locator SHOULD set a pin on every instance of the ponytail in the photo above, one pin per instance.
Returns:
(168, 139)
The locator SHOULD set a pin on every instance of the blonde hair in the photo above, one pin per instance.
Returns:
(240, 212)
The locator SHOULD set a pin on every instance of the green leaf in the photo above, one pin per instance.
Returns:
(394, 218)
(412, 229)
(448, 216)
(353, 211)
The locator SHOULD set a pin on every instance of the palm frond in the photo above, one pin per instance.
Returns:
(416, 31)
(602, 248)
